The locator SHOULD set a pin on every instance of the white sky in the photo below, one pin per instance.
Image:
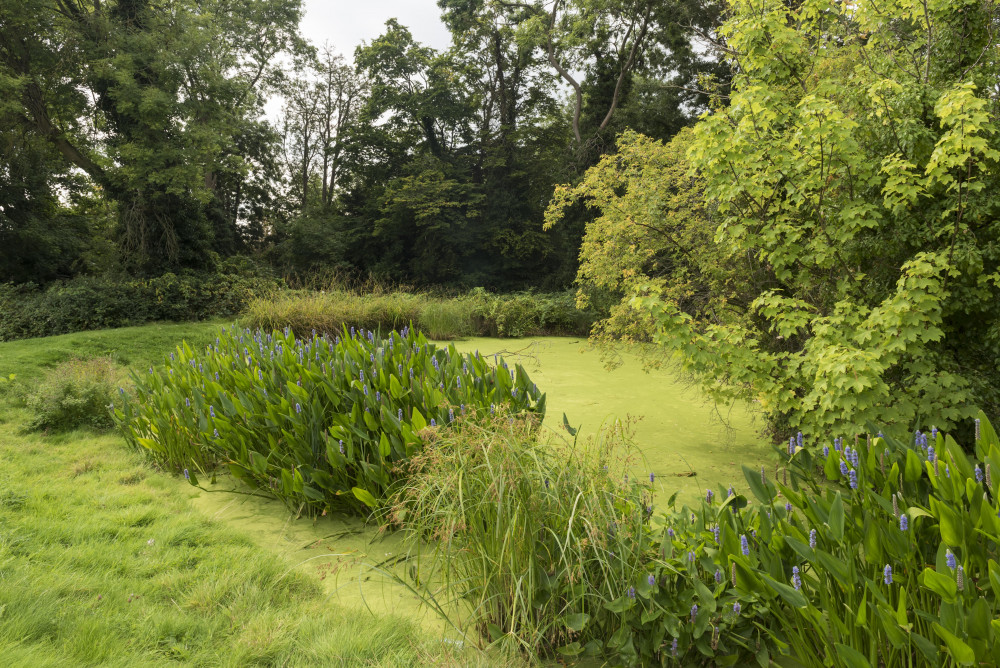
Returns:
(345, 23)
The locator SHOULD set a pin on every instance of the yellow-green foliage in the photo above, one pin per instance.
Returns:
(379, 309)
(852, 184)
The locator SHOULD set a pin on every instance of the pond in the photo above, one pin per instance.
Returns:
(682, 438)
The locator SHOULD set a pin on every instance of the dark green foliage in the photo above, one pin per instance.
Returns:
(319, 422)
(75, 394)
(85, 303)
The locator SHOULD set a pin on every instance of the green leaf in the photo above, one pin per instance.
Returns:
(851, 657)
(960, 652)
(572, 649)
(759, 488)
(791, 595)
(576, 621)
(836, 521)
(942, 585)
(913, 469)
(365, 497)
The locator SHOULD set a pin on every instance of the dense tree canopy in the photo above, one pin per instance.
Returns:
(138, 138)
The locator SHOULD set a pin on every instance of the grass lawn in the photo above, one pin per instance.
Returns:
(103, 560)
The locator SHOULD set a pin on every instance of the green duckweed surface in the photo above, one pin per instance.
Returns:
(681, 437)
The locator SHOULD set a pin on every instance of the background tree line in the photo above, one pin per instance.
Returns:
(135, 138)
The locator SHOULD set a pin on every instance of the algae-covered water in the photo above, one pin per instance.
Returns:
(681, 437)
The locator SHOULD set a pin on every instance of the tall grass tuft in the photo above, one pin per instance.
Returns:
(532, 536)
(75, 394)
(379, 308)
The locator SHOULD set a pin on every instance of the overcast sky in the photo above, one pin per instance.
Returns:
(345, 23)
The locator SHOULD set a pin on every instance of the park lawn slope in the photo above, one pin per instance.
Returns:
(104, 562)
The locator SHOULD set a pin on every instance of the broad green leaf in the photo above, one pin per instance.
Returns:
(851, 657)
(365, 497)
(960, 652)
(836, 521)
(942, 585)
(576, 621)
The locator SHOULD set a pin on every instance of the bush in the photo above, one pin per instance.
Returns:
(76, 394)
(86, 303)
(318, 422)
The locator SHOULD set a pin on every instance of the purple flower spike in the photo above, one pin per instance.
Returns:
(788, 507)
(709, 494)
(812, 539)
(652, 477)
(745, 546)
(904, 522)
(694, 612)
(187, 476)
(651, 580)
(887, 574)
(843, 467)
(949, 557)
(631, 592)
(796, 580)
(854, 478)
(673, 647)
(979, 473)
(718, 576)
(736, 608)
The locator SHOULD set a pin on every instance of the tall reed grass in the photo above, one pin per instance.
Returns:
(532, 537)
(441, 317)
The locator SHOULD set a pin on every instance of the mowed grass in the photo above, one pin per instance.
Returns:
(104, 561)
(137, 347)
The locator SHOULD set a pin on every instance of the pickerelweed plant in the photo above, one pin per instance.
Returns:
(319, 423)
(870, 553)
(896, 551)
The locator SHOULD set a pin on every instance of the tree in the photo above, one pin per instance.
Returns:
(151, 103)
(611, 41)
(854, 180)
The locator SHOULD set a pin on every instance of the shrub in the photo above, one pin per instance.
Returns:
(317, 422)
(76, 394)
(529, 314)
(86, 303)
(877, 553)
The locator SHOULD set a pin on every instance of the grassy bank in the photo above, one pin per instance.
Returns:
(104, 560)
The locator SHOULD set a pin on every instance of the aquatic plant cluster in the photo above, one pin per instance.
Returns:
(894, 562)
(318, 422)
